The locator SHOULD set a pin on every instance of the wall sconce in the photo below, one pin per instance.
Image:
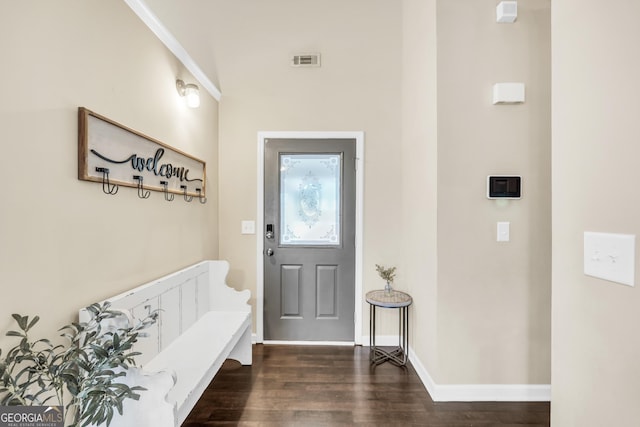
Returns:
(190, 92)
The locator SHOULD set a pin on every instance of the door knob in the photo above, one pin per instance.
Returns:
(270, 252)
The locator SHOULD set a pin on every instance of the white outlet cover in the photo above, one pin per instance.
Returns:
(610, 257)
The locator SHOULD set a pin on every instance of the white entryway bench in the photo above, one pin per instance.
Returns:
(202, 322)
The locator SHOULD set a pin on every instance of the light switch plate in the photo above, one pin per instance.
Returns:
(503, 232)
(610, 257)
(248, 227)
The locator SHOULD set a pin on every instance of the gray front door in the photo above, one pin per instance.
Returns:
(309, 239)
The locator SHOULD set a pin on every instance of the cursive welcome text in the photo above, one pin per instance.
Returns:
(153, 164)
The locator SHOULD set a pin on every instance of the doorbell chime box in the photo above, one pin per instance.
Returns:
(504, 187)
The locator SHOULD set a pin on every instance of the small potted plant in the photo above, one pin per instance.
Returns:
(387, 274)
(81, 375)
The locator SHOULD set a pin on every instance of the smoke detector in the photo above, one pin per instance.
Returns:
(305, 60)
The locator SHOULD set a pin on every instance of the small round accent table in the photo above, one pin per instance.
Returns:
(393, 299)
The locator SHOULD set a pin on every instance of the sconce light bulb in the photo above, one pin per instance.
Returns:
(193, 96)
(191, 93)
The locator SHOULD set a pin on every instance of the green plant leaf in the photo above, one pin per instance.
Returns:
(110, 413)
(43, 341)
(84, 367)
(33, 322)
(119, 407)
(107, 373)
(72, 387)
(83, 364)
(123, 388)
(20, 320)
(99, 351)
(93, 309)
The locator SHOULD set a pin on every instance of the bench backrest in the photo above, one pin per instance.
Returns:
(182, 298)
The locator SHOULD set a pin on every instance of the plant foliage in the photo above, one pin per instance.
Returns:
(388, 274)
(36, 372)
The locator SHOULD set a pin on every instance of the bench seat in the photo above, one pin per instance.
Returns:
(199, 352)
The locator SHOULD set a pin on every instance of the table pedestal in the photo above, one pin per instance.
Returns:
(393, 299)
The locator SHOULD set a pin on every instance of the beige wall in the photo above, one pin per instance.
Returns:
(420, 174)
(356, 89)
(65, 244)
(493, 298)
(433, 137)
(596, 348)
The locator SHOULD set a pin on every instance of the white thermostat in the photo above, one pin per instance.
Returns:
(504, 187)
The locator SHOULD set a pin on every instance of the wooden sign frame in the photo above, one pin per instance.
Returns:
(103, 143)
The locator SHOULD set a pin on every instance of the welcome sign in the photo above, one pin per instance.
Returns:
(105, 144)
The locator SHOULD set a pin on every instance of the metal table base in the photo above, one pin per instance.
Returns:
(394, 299)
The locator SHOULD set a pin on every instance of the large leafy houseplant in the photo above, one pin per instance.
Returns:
(81, 375)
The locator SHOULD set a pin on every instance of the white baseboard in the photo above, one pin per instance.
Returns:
(254, 340)
(480, 392)
(335, 343)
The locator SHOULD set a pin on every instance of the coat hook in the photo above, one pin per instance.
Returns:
(107, 188)
(202, 199)
(186, 198)
(168, 197)
(141, 193)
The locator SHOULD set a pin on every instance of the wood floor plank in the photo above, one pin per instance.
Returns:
(336, 386)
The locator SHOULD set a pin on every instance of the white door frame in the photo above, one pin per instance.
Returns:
(359, 137)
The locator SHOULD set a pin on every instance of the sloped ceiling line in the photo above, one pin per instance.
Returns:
(141, 9)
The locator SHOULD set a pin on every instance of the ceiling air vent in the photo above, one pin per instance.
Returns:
(306, 60)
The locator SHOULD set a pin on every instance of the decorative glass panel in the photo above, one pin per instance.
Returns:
(310, 199)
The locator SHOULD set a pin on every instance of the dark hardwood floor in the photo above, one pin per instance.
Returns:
(336, 386)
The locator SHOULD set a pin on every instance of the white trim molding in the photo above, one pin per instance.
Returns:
(311, 343)
(150, 19)
(359, 138)
(479, 392)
